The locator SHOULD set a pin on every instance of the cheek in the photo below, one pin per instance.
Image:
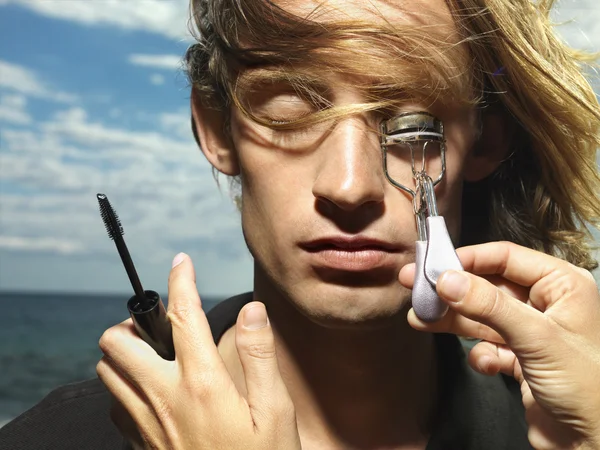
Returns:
(271, 196)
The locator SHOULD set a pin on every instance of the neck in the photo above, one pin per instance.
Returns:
(355, 389)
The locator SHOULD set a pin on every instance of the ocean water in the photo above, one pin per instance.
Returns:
(47, 340)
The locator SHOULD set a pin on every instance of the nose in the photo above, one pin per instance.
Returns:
(350, 174)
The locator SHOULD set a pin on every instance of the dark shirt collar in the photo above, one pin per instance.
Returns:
(475, 412)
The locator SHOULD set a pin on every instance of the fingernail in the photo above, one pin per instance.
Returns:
(178, 259)
(454, 285)
(484, 363)
(255, 317)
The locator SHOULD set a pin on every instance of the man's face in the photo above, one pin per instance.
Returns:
(322, 222)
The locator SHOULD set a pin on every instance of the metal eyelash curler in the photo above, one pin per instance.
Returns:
(435, 252)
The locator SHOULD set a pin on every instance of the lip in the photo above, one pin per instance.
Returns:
(349, 243)
(351, 253)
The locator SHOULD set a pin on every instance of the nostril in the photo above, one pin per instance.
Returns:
(349, 218)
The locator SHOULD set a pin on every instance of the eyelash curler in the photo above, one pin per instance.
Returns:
(435, 251)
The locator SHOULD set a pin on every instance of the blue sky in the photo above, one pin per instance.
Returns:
(92, 99)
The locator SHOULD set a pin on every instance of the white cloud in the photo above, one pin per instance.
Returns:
(71, 115)
(160, 185)
(157, 79)
(14, 77)
(177, 123)
(166, 17)
(61, 246)
(13, 109)
(73, 126)
(168, 62)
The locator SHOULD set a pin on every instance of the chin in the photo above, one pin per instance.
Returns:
(352, 307)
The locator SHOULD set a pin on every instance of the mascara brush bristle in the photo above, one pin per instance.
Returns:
(109, 217)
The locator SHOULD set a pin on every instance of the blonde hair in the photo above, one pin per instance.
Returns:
(541, 197)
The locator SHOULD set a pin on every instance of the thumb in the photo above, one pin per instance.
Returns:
(268, 397)
(477, 299)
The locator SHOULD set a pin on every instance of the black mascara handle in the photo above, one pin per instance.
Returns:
(151, 322)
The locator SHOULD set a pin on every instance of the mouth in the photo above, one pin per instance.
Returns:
(352, 254)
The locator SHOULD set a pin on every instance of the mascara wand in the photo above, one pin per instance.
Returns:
(146, 307)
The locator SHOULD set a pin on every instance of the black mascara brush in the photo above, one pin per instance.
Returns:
(146, 307)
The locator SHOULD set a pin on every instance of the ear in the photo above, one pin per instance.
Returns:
(492, 147)
(209, 130)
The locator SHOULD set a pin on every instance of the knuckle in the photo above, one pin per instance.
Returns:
(108, 340)
(259, 345)
(260, 350)
(200, 384)
(568, 284)
(506, 248)
(200, 388)
(101, 368)
(491, 304)
(180, 310)
(558, 285)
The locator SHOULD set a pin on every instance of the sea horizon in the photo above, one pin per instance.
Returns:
(49, 339)
(75, 293)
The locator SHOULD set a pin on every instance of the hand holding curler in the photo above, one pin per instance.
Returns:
(537, 317)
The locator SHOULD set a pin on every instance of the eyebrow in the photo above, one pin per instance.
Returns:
(264, 78)
(313, 89)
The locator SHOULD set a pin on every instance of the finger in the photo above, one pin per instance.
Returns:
(479, 300)
(570, 297)
(133, 357)
(518, 264)
(124, 392)
(192, 338)
(407, 275)
(135, 412)
(515, 290)
(268, 396)
(489, 359)
(551, 279)
(454, 323)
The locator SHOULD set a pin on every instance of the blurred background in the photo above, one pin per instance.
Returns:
(93, 99)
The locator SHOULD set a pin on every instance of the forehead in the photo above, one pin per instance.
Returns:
(390, 50)
(433, 13)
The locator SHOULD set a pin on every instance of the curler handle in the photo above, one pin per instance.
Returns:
(433, 257)
(425, 301)
(441, 255)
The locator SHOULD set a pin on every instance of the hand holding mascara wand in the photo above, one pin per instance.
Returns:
(145, 307)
